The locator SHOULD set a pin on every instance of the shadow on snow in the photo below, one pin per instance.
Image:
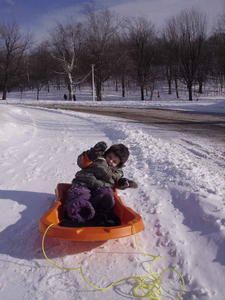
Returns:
(22, 239)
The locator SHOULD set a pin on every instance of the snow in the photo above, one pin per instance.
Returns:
(181, 197)
(206, 103)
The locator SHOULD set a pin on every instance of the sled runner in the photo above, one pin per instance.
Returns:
(130, 222)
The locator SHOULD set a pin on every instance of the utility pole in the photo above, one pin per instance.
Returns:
(93, 81)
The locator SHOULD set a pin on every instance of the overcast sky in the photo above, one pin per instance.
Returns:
(39, 16)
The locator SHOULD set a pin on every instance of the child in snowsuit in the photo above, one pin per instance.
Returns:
(91, 194)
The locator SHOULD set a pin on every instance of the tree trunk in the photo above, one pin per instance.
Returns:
(123, 85)
(4, 93)
(200, 87)
(98, 90)
(176, 87)
(70, 87)
(21, 93)
(38, 92)
(116, 84)
(169, 79)
(151, 94)
(189, 87)
(221, 83)
(142, 93)
(169, 86)
(5, 89)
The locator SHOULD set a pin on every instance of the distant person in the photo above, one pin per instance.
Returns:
(158, 94)
(65, 97)
(74, 97)
(91, 195)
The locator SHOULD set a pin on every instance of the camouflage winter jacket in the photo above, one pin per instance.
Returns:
(95, 174)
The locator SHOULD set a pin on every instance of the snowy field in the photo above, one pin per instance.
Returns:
(209, 102)
(181, 197)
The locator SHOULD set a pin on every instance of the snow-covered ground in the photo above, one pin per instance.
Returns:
(181, 197)
(206, 103)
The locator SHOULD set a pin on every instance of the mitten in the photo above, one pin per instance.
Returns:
(124, 183)
(132, 184)
(97, 151)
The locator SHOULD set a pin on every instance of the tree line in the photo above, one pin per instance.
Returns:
(125, 50)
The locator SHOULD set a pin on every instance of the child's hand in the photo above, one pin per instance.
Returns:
(97, 151)
(125, 183)
(132, 184)
(100, 147)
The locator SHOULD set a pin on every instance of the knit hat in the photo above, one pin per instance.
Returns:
(121, 151)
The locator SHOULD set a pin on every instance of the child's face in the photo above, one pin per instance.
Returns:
(112, 160)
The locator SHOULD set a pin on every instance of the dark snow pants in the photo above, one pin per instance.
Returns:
(82, 204)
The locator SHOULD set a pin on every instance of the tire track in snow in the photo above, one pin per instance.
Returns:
(174, 171)
(156, 238)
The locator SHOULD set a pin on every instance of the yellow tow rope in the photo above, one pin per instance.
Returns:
(147, 286)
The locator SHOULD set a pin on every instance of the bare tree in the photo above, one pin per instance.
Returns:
(169, 45)
(12, 48)
(101, 28)
(41, 66)
(67, 41)
(217, 49)
(220, 24)
(203, 70)
(122, 64)
(189, 31)
(141, 40)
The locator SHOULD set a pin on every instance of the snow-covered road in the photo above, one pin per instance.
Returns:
(181, 197)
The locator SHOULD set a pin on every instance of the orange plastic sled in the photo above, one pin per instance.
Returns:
(131, 222)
